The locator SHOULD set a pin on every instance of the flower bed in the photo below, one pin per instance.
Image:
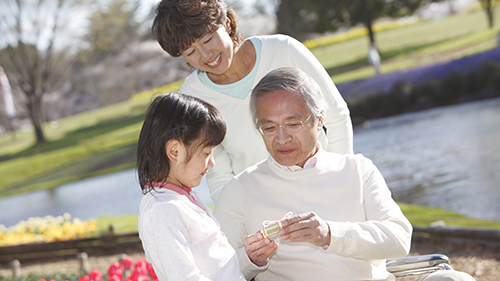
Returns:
(47, 229)
(125, 270)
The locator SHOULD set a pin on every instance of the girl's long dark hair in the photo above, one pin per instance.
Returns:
(188, 119)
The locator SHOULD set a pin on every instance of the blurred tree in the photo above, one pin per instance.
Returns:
(111, 29)
(299, 17)
(488, 8)
(265, 7)
(33, 33)
(237, 5)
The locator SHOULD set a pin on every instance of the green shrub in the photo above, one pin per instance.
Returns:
(452, 89)
(406, 97)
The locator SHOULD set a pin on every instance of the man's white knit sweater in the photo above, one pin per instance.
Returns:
(347, 191)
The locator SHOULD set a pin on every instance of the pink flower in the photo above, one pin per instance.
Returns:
(143, 278)
(95, 275)
(151, 272)
(143, 264)
(127, 262)
(114, 278)
(85, 278)
(136, 273)
(116, 268)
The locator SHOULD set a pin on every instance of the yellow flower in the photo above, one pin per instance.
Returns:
(47, 229)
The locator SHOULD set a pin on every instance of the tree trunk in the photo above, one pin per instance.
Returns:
(487, 6)
(371, 34)
(287, 15)
(490, 16)
(36, 115)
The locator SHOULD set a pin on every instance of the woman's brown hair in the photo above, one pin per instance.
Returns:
(178, 23)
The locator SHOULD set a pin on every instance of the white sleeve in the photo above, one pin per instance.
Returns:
(221, 173)
(229, 213)
(337, 120)
(386, 233)
(168, 244)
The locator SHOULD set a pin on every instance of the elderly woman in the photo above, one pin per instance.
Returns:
(205, 33)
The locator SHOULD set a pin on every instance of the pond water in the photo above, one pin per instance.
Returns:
(447, 157)
(114, 195)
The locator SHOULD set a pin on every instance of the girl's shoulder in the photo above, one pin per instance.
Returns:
(161, 198)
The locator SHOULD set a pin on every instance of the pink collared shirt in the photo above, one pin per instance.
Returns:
(310, 163)
(186, 191)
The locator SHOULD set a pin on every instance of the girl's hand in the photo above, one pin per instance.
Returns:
(259, 249)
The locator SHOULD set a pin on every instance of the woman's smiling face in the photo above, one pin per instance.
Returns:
(212, 53)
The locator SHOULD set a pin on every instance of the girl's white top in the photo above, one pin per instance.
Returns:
(183, 241)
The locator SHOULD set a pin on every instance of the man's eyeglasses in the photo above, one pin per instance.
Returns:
(294, 126)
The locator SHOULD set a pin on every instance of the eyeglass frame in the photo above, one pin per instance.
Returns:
(302, 123)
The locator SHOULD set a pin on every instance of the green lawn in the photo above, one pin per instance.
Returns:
(104, 140)
(422, 43)
(83, 145)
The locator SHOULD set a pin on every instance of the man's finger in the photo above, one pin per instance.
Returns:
(252, 238)
(297, 218)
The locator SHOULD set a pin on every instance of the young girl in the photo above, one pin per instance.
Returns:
(179, 234)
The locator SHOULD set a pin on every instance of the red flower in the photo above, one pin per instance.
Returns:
(143, 278)
(95, 275)
(85, 278)
(127, 262)
(116, 268)
(143, 264)
(114, 278)
(136, 273)
(151, 271)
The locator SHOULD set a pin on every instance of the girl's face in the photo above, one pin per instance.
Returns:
(189, 173)
(212, 53)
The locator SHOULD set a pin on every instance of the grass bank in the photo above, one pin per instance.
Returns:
(80, 146)
(410, 46)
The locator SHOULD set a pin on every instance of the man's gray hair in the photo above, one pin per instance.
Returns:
(292, 80)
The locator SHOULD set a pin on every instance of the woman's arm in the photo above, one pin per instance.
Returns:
(337, 119)
(220, 174)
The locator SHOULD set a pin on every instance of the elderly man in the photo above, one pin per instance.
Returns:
(355, 226)
(343, 223)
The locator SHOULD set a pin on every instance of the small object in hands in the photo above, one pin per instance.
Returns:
(271, 230)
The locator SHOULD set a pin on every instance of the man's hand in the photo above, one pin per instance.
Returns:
(307, 227)
(259, 249)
